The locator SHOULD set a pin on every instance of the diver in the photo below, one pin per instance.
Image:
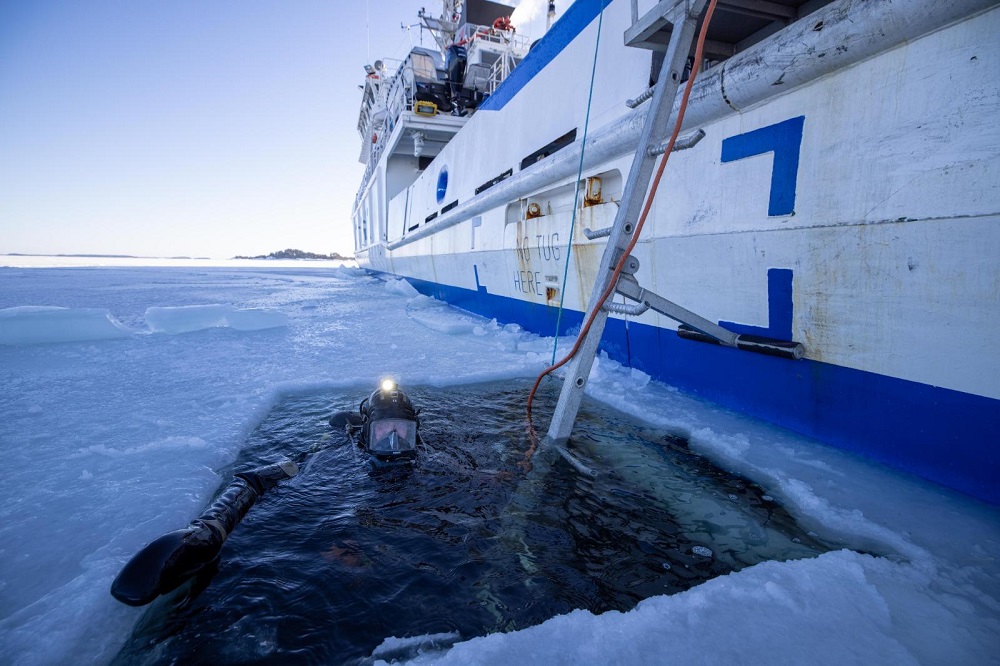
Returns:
(385, 424)
(386, 427)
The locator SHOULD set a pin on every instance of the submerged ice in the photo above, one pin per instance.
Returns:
(118, 434)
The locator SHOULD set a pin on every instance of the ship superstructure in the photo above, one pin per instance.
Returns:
(411, 109)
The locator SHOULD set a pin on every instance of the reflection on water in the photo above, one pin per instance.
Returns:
(460, 541)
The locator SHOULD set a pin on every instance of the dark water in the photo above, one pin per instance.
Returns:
(461, 541)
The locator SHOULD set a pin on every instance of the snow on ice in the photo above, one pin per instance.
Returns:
(123, 389)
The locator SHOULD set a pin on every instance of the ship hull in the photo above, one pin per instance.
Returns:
(854, 209)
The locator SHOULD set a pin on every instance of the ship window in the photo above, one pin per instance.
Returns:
(449, 206)
(549, 148)
(493, 181)
(442, 184)
(423, 67)
(431, 216)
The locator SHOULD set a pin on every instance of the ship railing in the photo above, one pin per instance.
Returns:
(501, 69)
(399, 96)
(505, 39)
(395, 93)
(384, 96)
(395, 96)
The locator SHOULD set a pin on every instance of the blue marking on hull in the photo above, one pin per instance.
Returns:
(943, 435)
(577, 17)
(779, 308)
(784, 140)
(479, 288)
(442, 184)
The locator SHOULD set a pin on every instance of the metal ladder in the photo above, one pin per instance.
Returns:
(670, 22)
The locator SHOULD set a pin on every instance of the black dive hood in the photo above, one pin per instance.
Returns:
(389, 423)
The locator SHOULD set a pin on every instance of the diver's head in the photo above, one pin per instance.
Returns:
(390, 423)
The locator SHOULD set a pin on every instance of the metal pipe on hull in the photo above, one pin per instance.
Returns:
(613, 140)
(839, 35)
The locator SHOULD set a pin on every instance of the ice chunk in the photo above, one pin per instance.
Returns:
(638, 377)
(189, 318)
(393, 649)
(350, 272)
(701, 550)
(401, 287)
(28, 325)
(733, 445)
(441, 317)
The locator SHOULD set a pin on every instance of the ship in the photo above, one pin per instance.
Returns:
(832, 198)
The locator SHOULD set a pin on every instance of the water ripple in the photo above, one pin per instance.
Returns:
(460, 542)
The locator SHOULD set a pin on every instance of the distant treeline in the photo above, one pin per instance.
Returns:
(296, 254)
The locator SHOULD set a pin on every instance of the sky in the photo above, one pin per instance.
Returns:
(184, 128)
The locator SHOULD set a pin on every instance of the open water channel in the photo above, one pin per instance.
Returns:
(461, 542)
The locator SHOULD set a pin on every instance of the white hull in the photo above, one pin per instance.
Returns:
(846, 195)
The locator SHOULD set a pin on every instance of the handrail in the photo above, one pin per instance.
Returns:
(396, 96)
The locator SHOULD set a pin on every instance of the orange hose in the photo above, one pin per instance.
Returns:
(699, 49)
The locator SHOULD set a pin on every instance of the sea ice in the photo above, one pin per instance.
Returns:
(32, 325)
(395, 650)
(189, 318)
(113, 443)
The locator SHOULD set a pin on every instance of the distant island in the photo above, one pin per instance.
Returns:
(297, 254)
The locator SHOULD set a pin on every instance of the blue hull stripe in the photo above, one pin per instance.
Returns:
(577, 17)
(779, 308)
(943, 435)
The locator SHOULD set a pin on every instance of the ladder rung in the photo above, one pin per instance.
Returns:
(633, 310)
(600, 233)
(632, 103)
(682, 143)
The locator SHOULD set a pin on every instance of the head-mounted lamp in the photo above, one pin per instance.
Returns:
(390, 422)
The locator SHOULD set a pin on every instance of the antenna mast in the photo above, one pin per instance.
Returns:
(444, 27)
